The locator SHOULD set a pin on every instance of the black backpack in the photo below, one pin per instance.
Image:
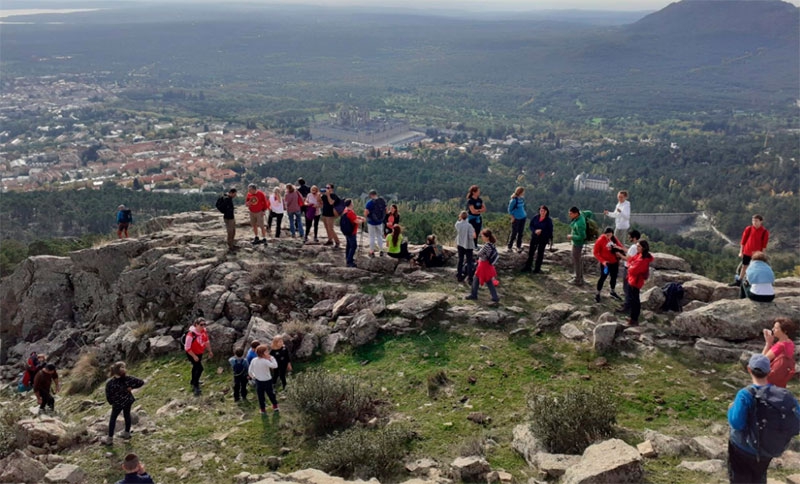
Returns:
(772, 421)
(378, 211)
(221, 204)
(673, 295)
(346, 225)
(239, 366)
(126, 217)
(186, 335)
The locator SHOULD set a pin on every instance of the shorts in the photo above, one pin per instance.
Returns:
(257, 219)
(746, 260)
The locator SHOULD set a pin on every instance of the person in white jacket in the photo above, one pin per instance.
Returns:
(259, 371)
(621, 214)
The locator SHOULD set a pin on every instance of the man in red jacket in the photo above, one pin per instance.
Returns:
(754, 239)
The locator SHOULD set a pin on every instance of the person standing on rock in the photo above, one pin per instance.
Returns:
(134, 471)
(541, 233)
(329, 201)
(279, 351)
(475, 208)
(638, 272)
(275, 211)
(465, 242)
(350, 222)
(119, 394)
(256, 202)
(259, 371)
(124, 220)
(577, 235)
(486, 273)
(43, 387)
(621, 215)
(313, 213)
(375, 212)
(516, 208)
(747, 459)
(293, 201)
(633, 241)
(195, 345)
(225, 205)
(605, 251)
(754, 239)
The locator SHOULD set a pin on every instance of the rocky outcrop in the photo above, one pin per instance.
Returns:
(418, 305)
(609, 461)
(44, 432)
(19, 467)
(734, 320)
(65, 474)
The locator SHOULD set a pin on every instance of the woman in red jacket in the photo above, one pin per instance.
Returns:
(638, 272)
(607, 251)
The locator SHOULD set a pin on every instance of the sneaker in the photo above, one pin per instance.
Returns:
(330, 242)
(380, 254)
(196, 390)
(336, 246)
(256, 241)
(494, 303)
(615, 296)
(125, 435)
(470, 298)
(597, 297)
(107, 440)
(275, 408)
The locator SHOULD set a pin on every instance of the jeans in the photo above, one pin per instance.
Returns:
(375, 237)
(279, 373)
(126, 414)
(743, 468)
(538, 244)
(517, 228)
(296, 223)
(315, 223)
(490, 284)
(350, 250)
(278, 218)
(465, 269)
(265, 387)
(634, 303)
(613, 269)
(240, 386)
(577, 263)
(197, 369)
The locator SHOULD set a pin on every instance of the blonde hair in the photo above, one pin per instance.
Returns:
(275, 340)
(117, 369)
(518, 192)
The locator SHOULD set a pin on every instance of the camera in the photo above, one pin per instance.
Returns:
(323, 190)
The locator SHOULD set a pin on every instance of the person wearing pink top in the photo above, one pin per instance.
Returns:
(293, 203)
(780, 352)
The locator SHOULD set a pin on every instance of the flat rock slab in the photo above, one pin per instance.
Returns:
(607, 462)
(418, 305)
(65, 474)
(710, 447)
(555, 465)
(734, 319)
(712, 466)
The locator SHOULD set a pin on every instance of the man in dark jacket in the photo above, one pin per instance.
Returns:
(134, 471)
(225, 205)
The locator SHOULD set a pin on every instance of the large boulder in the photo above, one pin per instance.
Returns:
(161, 345)
(42, 431)
(603, 336)
(65, 474)
(384, 265)
(554, 314)
(710, 447)
(353, 303)
(258, 329)
(735, 320)
(418, 305)
(717, 350)
(469, 469)
(699, 290)
(363, 328)
(669, 262)
(222, 337)
(19, 467)
(607, 462)
(210, 302)
(653, 299)
(525, 443)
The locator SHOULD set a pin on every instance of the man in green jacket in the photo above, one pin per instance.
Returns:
(577, 224)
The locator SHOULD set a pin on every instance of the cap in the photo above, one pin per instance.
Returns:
(759, 362)
(373, 192)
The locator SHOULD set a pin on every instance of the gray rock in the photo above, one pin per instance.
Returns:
(713, 466)
(709, 447)
(519, 333)
(652, 299)
(570, 331)
(362, 329)
(715, 349)
(665, 445)
(554, 314)
(555, 465)
(42, 431)
(65, 474)
(735, 320)
(161, 345)
(609, 461)
(469, 468)
(692, 305)
(723, 291)
(330, 342)
(700, 290)
(525, 443)
(211, 301)
(647, 449)
(322, 308)
(419, 305)
(487, 318)
(669, 262)
(222, 337)
(307, 346)
(383, 265)
(257, 329)
(19, 467)
(603, 336)
(421, 466)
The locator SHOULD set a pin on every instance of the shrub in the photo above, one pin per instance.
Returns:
(143, 329)
(363, 453)
(436, 382)
(330, 401)
(9, 440)
(473, 445)
(85, 375)
(569, 422)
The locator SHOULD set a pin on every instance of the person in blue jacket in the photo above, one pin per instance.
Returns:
(541, 233)
(124, 220)
(516, 208)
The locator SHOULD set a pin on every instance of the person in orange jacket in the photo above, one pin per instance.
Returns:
(195, 345)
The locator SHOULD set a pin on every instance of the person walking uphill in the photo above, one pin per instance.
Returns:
(763, 419)
(119, 394)
(259, 371)
(577, 235)
(43, 387)
(225, 205)
(516, 208)
(124, 220)
(541, 233)
(196, 344)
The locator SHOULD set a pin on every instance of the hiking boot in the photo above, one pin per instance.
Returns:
(256, 241)
(196, 390)
(125, 435)
(470, 298)
(597, 297)
(615, 296)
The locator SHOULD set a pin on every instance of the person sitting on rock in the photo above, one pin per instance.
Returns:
(758, 280)
(432, 255)
(780, 352)
(134, 471)
(119, 394)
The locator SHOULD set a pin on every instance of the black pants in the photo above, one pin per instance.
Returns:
(265, 387)
(47, 401)
(634, 304)
(315, 222)
(126, 414)
(403, 254)
(743, 468)
(240, 386)
(279, 373)
(278, 218)
(465, 269)
(197, 369)
(613, 269)
(538, 244)
(477, 224)
(517, 228)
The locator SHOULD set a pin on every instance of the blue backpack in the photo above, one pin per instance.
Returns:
(239, 366)
(773, 421)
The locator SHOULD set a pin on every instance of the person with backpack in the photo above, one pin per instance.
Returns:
(196, 343)
(754, 239)
(780, 353)
(621, 215)
(607, 251)
(280, 352)
(465, 242)
(119, 395)
(225, 205)
(541, 234)
(239, 366)
(516, 208)
(638, 272)
(330, 202)
(486, 273)
(257, 204)
(763, 420)
(124, 220)
(577, 235)
(375, 213)
(349, 223)
(34, 363)
(475, 207)
(294, 204)
(758, 280)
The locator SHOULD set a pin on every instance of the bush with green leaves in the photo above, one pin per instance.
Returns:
(364, 453)
(568, 422)
(331, 401)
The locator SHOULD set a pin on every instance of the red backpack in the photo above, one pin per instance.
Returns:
(781, 370)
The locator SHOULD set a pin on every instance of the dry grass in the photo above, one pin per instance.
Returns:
(85, 375)
(295, 327)
(143, 329)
